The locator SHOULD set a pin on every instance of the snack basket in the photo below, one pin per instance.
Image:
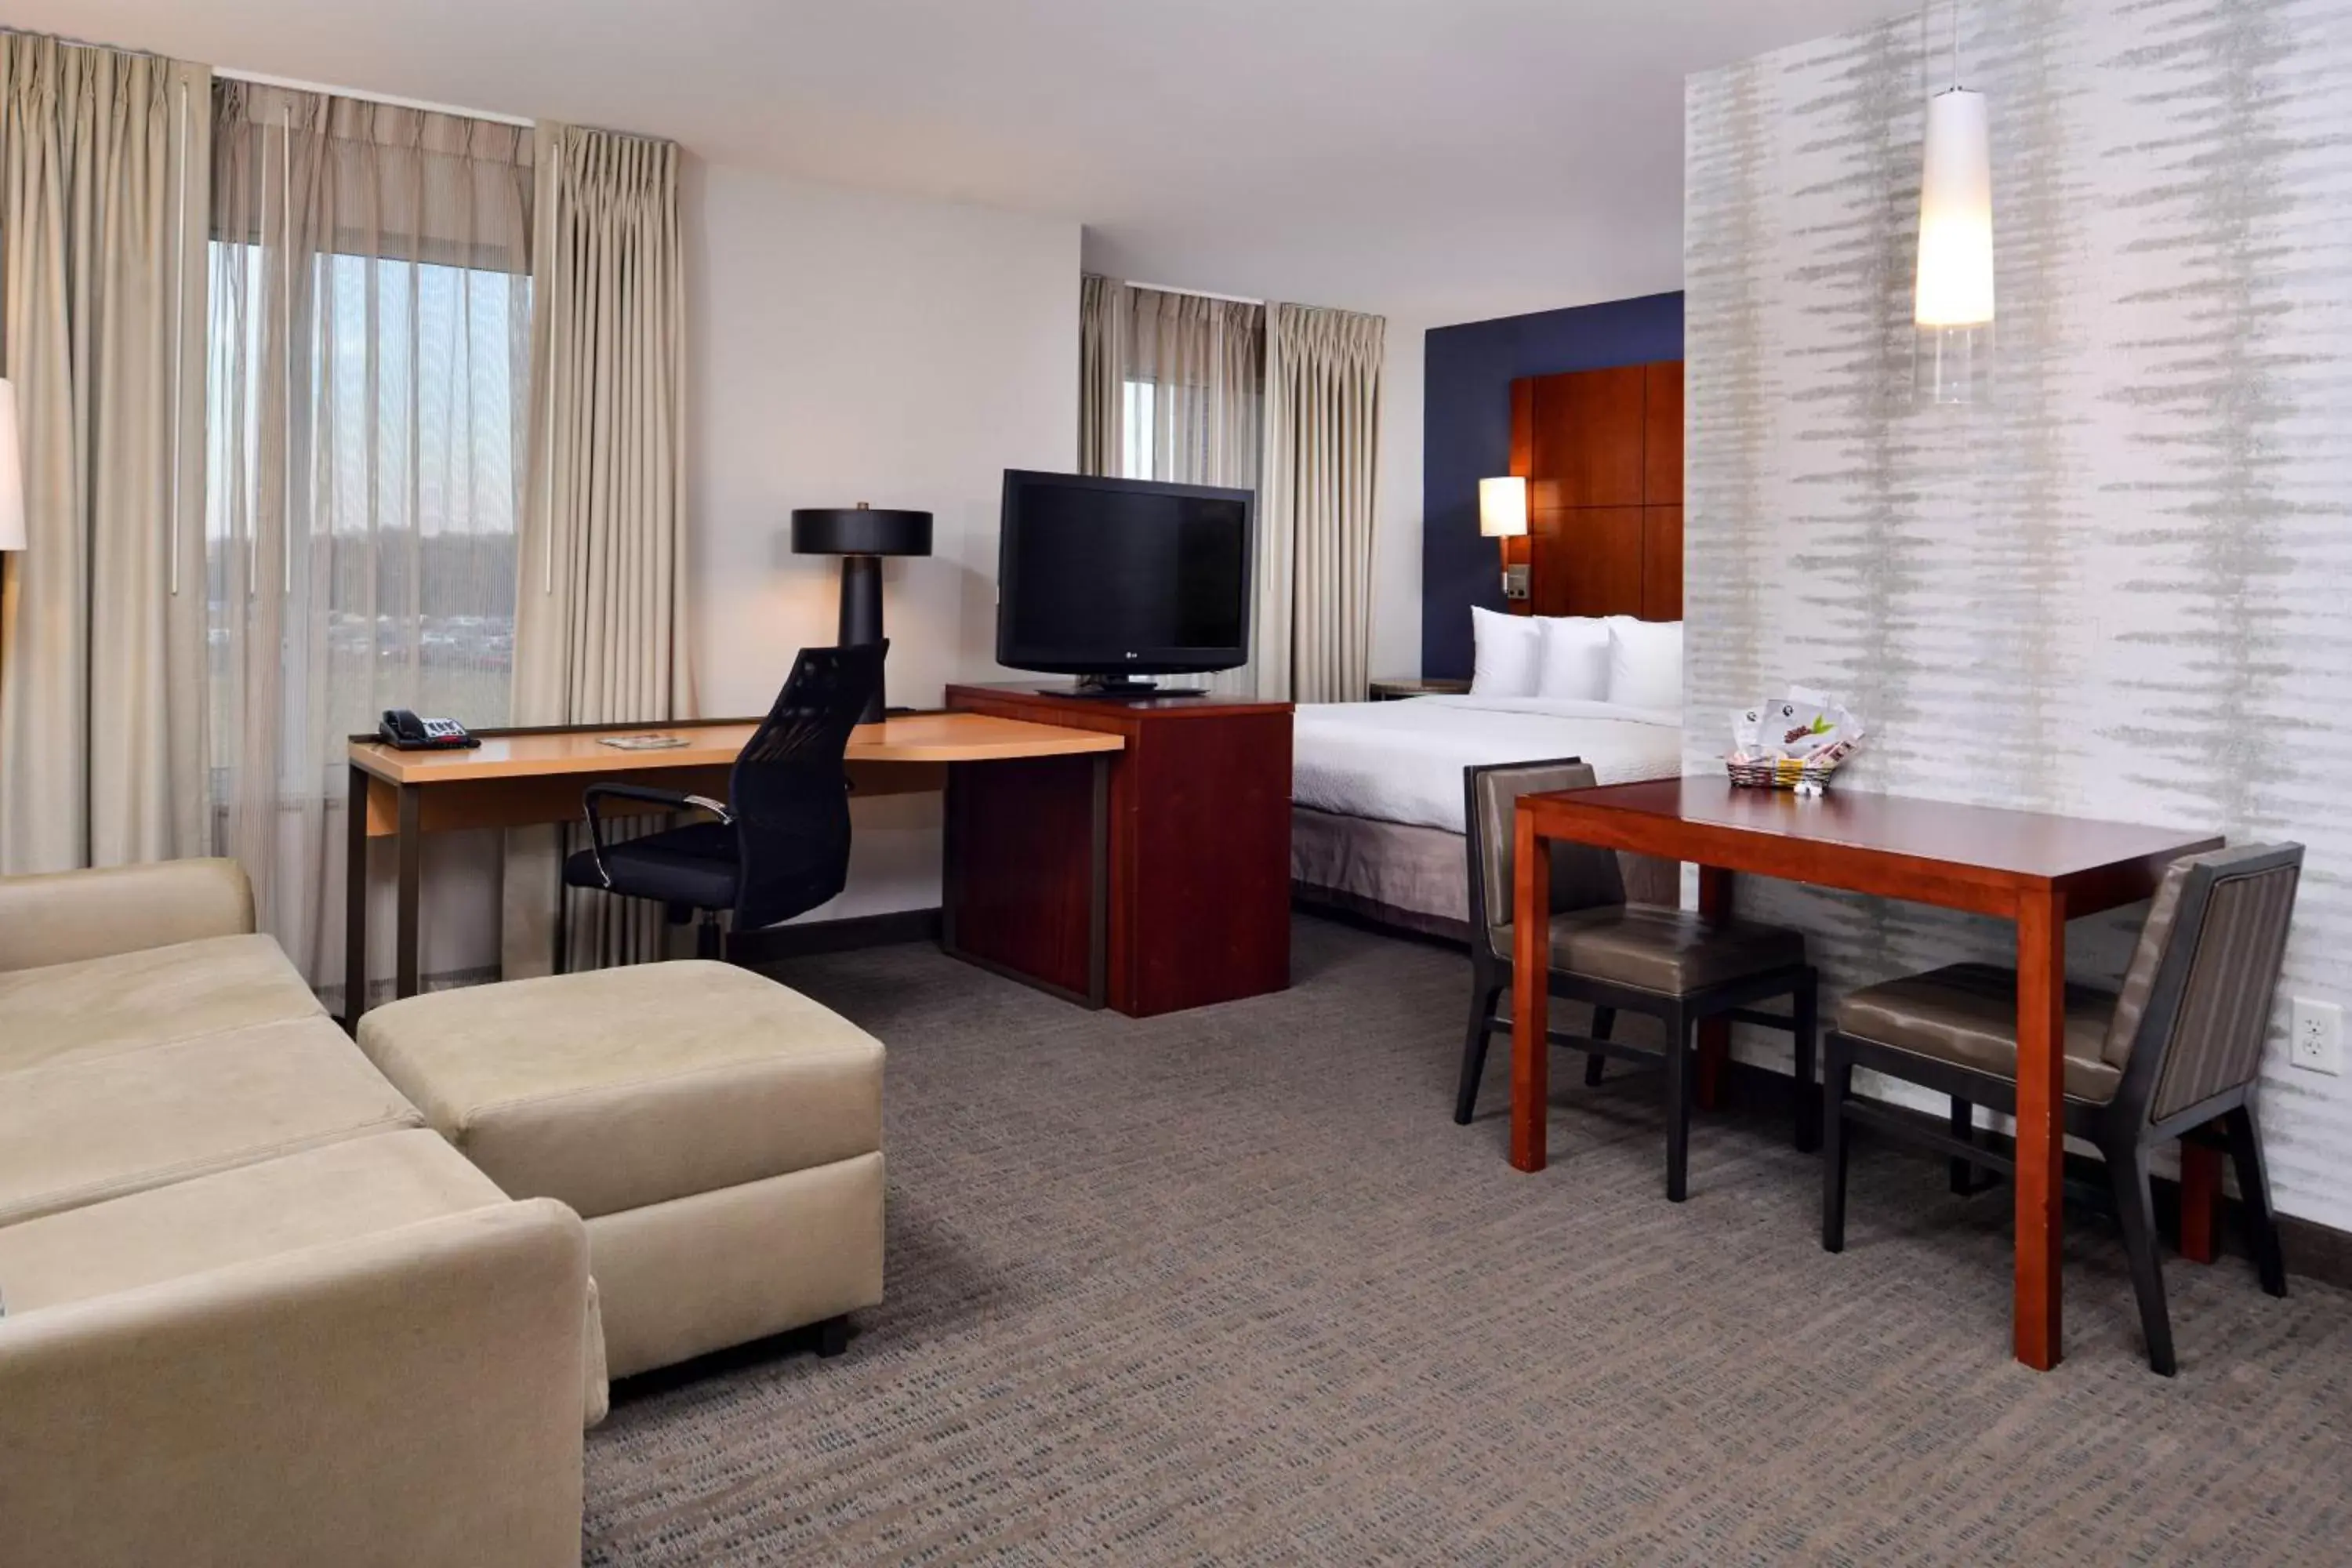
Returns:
(1806, 776)
(1793, 743)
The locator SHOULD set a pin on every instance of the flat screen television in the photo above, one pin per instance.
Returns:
(1109, 580)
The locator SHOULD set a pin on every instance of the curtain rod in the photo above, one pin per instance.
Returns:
(1196, 293)
(257, 79)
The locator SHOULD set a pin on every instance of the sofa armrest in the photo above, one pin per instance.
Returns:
(412, 1396)
(61, 916)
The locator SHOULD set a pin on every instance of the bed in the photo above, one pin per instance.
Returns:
(1377, 794)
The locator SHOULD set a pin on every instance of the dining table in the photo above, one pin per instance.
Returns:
(2034, 870)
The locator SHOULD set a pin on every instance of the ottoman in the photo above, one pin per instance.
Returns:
(720, 1134)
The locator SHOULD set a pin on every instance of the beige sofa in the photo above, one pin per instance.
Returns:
(250, 1312)
(266, 1301)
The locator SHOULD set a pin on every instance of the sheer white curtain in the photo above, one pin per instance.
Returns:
(368, 401)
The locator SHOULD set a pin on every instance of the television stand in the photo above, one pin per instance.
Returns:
(1196, 900)
(1117, 687)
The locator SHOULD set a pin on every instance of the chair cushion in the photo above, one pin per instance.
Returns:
(621, 1088)
(1654, 948)
(130, 1000)
(693, 864)
(1966, 1013)
(84, 1130)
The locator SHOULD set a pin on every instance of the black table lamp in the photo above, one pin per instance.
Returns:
(861, 535)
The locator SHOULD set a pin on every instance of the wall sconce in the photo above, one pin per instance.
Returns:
(1503, 517)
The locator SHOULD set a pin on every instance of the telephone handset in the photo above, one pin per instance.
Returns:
(407, 732)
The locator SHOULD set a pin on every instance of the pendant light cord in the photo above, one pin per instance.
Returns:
(1955, 43)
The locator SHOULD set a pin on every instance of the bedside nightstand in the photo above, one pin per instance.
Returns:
(1417, 686)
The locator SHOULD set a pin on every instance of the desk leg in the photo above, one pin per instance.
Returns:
(1530, 994)
(2041, 1124)
(1098, 909)
(411, 844)
(355, 902)
(1713, 1033)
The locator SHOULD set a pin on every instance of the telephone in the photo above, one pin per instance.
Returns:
(406, 731)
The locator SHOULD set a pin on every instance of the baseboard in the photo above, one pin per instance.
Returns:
(2315, 1251)
(804, 939)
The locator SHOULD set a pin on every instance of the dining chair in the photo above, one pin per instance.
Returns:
(2177, 1051)
(1620, 957)
(778, 846)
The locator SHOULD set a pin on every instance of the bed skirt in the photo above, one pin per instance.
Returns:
(1414, 878)
(1411, 877)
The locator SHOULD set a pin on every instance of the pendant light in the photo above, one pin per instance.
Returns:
(1954, 302)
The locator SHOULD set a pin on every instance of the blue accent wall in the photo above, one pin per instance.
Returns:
(1466, 436)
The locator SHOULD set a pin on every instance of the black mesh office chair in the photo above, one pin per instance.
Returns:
(778, 844)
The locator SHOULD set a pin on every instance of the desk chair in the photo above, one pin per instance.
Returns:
(2180, 1048)
(1620, 957)
(778, 844)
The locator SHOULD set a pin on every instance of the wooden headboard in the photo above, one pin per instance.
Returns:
(1601, 451)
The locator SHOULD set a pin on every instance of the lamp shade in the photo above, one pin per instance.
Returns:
(1953, 302)
(860, 530)
(1503, 508)
(12, 473)
(1955, 282)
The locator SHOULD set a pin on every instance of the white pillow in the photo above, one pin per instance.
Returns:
(1645, 662)
(1508, 654)
(1575, 659)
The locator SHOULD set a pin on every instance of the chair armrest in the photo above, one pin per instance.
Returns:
(412, 1396)
(62, 917)
(647, 793)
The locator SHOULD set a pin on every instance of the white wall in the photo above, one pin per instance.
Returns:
(848, 346)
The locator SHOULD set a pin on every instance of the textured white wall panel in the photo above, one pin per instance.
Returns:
(2122, 588)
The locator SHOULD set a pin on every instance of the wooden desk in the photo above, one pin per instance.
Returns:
(2036, 870)
(525, 778)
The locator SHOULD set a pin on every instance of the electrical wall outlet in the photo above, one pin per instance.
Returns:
(2316, 1036)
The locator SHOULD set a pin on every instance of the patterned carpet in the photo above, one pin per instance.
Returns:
(1230, 1287)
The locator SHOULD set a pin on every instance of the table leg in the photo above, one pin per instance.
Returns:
(2040, 1125)
(355, 891)
(1531, 992)
(1713, 1033)
(2200, 1196)
(411, 845)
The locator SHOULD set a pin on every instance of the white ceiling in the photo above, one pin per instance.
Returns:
(1440, 160)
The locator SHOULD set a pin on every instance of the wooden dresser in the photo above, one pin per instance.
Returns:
(1199, 867)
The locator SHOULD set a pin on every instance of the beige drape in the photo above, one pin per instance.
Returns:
(600, 620)
(1312, 640)
(370, 328)
(1102, 384)
(102, 174)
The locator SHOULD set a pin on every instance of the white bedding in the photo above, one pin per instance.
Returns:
(1402, 761)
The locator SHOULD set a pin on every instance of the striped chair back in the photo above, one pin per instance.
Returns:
(1582, 877)
(2196, 1003)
